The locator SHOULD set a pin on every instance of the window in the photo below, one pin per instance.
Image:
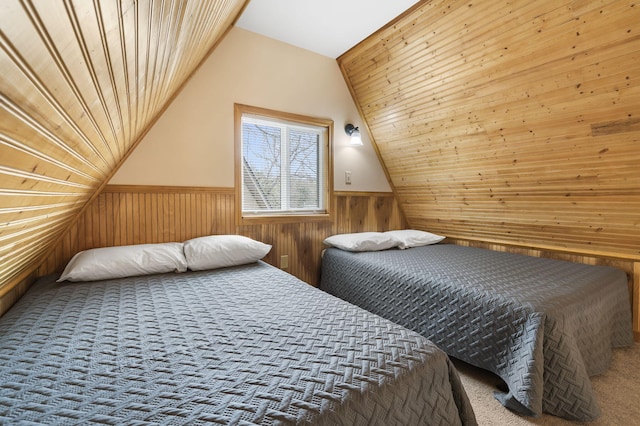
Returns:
(283, 168)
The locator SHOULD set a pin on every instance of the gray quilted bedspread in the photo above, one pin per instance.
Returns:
(242, 345)
(543, 325)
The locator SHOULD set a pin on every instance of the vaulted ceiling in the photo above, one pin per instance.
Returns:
(80, 84)
(514, 122)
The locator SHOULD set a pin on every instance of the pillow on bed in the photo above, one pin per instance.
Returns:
(362, 241)
(219, 251)
(125, 261)
(408, 238)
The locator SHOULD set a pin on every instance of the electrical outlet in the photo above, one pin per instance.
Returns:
(347, 177)
(284, 261)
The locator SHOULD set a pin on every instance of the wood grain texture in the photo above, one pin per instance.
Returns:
(636, 300)
(511, 122)
(81, 82)
(123, 215)
(613, 127)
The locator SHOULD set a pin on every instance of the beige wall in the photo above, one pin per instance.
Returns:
(192, 143)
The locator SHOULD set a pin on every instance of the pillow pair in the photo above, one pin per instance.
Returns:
(376, 241)
(211, 252)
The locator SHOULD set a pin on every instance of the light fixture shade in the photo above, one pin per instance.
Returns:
(355, 138)
(353, 131)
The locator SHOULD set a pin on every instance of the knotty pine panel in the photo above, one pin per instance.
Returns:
(81, 83)
(510, 122)
(363, 211)
(123, 215)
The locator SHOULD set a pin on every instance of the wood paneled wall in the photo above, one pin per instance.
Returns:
(513, 122)
(123, 215)
(80, 83)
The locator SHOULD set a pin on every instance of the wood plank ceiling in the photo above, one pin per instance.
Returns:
(510, 121)
(80, 83)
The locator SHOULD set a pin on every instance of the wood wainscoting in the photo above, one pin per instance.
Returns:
(123, 215)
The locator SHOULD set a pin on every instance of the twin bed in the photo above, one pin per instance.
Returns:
(543, 325)
(247, 344)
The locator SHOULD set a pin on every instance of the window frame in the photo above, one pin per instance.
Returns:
(283, 217)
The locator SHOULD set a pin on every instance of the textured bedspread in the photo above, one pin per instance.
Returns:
(243, 345)
(543, 325)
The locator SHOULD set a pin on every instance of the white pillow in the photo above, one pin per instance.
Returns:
(362, 241)
(414, 238)
(125, 261)
(219, 251)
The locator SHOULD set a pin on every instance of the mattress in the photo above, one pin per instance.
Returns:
(543, 325)
(241, 345)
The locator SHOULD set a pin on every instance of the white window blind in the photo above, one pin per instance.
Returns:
(282, 166)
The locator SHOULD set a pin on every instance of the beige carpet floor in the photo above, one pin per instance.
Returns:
(617, 391)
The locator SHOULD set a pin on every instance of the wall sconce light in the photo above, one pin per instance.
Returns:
(353, 131)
